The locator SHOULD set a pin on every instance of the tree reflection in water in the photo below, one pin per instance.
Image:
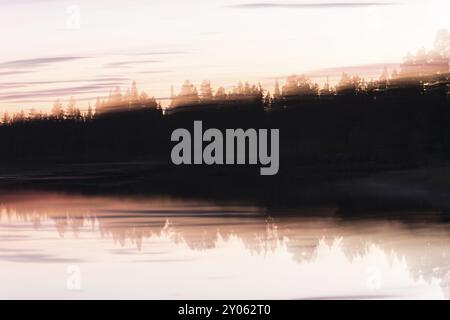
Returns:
(323, 252)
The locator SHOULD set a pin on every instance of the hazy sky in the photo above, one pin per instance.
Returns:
(55, 48)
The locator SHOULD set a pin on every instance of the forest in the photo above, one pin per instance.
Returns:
(397, 121)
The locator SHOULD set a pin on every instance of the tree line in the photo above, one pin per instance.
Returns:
(425, 71)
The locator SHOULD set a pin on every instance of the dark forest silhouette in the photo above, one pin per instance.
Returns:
(400, 120)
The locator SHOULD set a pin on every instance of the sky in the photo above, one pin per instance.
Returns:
(84, 48)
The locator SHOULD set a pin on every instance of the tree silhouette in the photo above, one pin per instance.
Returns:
(57, 110)
(206, 92)
(221, 94)
(72, 112)
(89, 114)
(134, 95)
(6, 118)
(188, 96)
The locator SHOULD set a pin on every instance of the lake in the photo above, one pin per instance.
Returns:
(72, 246)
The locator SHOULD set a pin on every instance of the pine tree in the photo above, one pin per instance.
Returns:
(220, 94)
(134, 95)
(267, 100)
(71, 109)
(98, 106)
(206, 92)
(6, 118)
(89, 114)
(57, 110)
(32, 114)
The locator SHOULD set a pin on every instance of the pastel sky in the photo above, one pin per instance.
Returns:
(83, 48)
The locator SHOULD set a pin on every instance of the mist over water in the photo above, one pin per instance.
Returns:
(55, 245)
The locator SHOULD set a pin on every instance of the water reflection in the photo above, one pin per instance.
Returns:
(168, 248)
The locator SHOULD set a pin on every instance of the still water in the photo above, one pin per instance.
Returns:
(63, 246)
